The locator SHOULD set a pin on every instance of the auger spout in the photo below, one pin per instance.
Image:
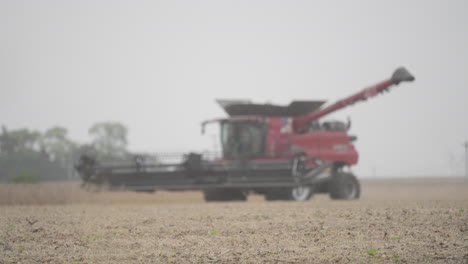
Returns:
(301, 123)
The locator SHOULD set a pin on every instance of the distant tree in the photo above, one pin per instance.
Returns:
(29, 156)
(109, 139)
(56, 143)
(20, 151)
(6, 144)
(18, 140)
(60, 149)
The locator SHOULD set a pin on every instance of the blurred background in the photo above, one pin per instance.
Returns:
(140, 76)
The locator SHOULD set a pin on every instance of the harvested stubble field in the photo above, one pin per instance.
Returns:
(395, 221)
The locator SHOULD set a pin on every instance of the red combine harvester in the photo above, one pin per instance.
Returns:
(284, 153)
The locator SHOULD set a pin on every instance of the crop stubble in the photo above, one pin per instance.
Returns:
(396, 221)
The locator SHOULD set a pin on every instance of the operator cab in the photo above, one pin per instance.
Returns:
(242, 138)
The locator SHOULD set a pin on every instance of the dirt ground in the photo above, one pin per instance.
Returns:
(395, 221)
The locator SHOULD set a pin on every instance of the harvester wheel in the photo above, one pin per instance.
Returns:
(300, 193)
(219, 195)
(345, 186)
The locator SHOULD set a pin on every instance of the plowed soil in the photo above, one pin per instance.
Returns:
(395, 221)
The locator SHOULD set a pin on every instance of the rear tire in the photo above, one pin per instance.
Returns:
(345, 186)
(220, 195)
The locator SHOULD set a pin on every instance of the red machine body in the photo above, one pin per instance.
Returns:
(333, 146)
(281, 142)
(270, 132)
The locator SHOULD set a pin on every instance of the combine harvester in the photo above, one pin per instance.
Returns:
(284, 153)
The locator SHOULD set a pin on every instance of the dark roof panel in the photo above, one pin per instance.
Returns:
(245, 107)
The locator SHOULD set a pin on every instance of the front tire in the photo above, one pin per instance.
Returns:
(302, 193)
(345, 186)
(299, 194)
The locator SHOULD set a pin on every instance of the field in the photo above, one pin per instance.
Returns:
(395, 221)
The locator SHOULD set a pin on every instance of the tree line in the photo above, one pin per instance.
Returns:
(29, 156)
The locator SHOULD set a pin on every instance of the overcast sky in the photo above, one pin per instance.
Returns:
(157, 67)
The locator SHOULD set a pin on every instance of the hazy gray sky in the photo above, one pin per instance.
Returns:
(157, 67)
